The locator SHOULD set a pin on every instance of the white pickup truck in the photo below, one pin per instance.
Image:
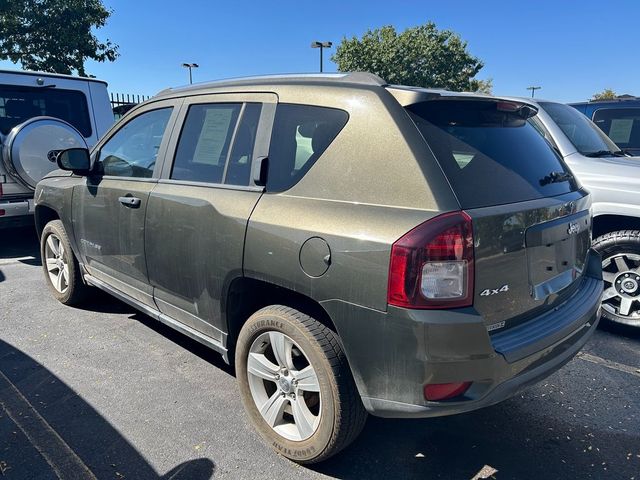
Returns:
(613, 179)
(41, 113)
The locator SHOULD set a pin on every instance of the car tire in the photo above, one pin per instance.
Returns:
(61, 268)
(306, 426)
(620, 253)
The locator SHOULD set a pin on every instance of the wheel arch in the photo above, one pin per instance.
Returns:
(246, 295)
(608, 223)
(44, 214)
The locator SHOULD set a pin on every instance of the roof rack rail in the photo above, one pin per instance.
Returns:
(363, 78)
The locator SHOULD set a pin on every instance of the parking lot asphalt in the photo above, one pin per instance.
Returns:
(106, 392)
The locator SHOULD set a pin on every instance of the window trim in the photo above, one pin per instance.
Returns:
(161, 158)
(225, 186)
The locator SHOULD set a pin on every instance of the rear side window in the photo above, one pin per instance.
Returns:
(205, 142)
(301, 133)
(18, 104)
(489, 156)
(622, 125)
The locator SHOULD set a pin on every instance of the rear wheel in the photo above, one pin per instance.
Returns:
(61, 268)
(296, 385)
(621, 274)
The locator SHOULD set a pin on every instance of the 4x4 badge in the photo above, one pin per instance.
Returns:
(494, 291)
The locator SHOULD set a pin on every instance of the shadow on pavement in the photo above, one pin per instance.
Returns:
(507, 437)
(619, 329)
(205, 353)
(48, 431)
(20, 243)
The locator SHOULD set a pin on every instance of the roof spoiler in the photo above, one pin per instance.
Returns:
(407, 96)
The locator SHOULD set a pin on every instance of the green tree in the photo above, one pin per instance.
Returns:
(54, 35)
(606, 94)
(422, 56)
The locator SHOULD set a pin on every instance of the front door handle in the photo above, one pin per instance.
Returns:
(131, 202)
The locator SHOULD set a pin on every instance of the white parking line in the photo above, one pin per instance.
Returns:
(60, 457)
(11, 261)
(621, 367)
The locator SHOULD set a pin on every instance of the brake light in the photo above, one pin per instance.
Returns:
(432, 265)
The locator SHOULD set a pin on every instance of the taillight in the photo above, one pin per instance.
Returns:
(445, 391)
(432, 265)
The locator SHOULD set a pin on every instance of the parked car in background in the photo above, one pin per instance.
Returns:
(619, 119)
(78, 112)
(613, 178)
(351, 246)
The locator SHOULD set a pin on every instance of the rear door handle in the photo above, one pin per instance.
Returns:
(132, 202)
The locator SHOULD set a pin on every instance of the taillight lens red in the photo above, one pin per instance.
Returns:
(445, 391)
(432, 265)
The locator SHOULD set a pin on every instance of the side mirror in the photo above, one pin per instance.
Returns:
(75, 159)
(260, 169)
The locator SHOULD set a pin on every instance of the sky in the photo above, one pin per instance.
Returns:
(572, 49)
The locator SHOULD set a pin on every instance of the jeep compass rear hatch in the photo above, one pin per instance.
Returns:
(531, 223)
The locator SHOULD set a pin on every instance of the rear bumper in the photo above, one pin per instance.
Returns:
(394, 354)
(16, 213)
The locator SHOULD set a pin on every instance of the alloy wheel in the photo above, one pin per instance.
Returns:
(621, 275)
(284, 386)
(56, 263)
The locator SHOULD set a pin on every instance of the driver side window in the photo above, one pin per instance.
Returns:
(132, 151)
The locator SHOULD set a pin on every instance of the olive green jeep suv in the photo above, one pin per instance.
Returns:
(350, 246)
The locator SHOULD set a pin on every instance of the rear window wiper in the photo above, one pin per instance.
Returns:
(556, 177)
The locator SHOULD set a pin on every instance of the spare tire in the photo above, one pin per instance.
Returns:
(30, 148)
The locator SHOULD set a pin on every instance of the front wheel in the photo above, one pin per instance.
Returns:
(621, 274)
(61, 269)
(296, 385)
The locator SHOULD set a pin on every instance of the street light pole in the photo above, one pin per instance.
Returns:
(190, 66)
(321, 46)
(533, 89)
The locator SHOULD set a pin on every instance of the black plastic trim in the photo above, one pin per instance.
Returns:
(519, 342)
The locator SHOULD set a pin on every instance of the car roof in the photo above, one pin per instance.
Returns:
(406, 95)
(33, 73)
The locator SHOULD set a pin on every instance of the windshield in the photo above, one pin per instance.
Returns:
(621, 124)
(490, 157)
(582, 132)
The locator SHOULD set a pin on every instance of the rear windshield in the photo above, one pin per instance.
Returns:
(18, 104)
(490, 157)
(621, 124)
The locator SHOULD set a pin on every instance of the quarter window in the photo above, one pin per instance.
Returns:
(301, 133)
(205, 142)
(132, 151)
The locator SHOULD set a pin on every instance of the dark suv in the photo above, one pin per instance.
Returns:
(618, 118)
(351, 246)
